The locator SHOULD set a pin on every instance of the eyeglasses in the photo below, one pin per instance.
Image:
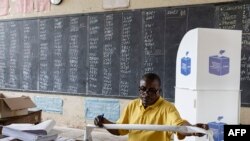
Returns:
(150, 91)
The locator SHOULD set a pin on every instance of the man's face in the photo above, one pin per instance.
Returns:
(149, 92)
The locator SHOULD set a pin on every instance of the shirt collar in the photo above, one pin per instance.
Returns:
(160, 99)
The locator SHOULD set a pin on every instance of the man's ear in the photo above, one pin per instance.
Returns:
(160, 90)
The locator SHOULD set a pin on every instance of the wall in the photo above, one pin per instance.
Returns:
(87, 6)
(73, 110)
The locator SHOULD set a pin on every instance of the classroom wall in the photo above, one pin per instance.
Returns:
(87, 6)
(73, 106)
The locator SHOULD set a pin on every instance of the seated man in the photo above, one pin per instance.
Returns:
(150, 108)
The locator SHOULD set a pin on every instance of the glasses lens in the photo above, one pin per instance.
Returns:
(142, 89)
(152, 91)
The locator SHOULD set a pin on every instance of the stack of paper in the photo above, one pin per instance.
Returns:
(30, 132)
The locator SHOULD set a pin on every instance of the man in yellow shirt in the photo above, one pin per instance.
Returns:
(150, 108)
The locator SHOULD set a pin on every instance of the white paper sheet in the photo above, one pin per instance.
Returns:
(46, 125)
(30, 132)
(183, 129)
(26, 136)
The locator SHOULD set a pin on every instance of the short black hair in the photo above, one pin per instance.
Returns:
(151, 77)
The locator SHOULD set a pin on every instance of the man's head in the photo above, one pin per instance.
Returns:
(149, 89)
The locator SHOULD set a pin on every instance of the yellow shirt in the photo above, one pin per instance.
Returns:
(161, 112)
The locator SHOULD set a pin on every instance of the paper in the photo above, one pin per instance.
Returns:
(111, 4)
(59, 138)
(42, 5)
(110, 108)
(49, 104)
(46, 125)
(21, 135)
(7, 139)
(24, 6)
(4, 7)
(150, 127)
(30, 132)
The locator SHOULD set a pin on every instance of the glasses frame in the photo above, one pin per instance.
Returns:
(147, 91)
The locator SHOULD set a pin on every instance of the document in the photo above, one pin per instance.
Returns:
(22, 135)
(30, 132)
(149, 127)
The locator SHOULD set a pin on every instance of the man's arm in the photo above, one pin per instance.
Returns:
(175, 119)
(100, 120)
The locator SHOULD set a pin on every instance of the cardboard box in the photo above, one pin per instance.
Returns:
(14, 106)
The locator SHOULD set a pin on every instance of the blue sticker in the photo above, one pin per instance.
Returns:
(218, 129)
(219, 64)
(48, 104)
(110, 108)
(186, 65)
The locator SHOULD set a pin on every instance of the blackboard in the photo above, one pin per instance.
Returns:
(105, 54)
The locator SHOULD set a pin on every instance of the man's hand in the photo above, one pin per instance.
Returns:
(200, 125)
(99, 120)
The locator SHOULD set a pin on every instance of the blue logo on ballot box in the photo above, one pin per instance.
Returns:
(186, 65)
(219, 64)
(218, 129)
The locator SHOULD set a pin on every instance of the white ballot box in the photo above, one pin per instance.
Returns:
(208, 76)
